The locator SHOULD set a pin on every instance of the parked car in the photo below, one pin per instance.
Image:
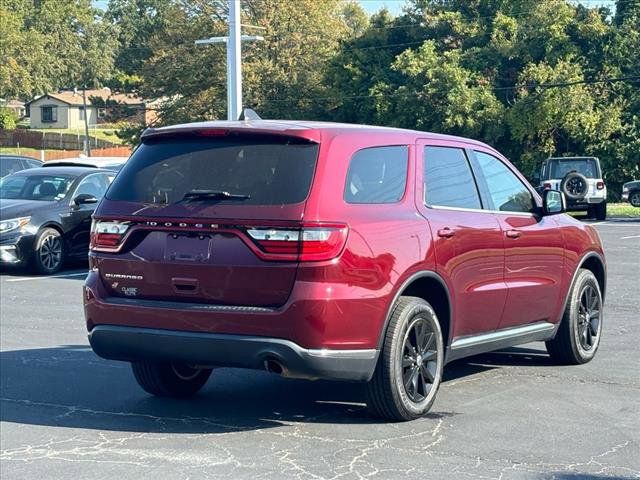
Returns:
(631, 193)
(342, 252)
(14, 163)
(580, 179)
(45, 215)
(108, 163)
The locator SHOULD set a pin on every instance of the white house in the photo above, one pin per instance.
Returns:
(61, 110)
(65, 109)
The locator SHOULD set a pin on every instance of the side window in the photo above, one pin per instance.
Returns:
(9, 166)
(448, 179)
(33, 163)
(95, 185)
(377, 175)
(505, 190)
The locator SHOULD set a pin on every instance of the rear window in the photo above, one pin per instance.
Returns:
(268, 170)
(557, 168)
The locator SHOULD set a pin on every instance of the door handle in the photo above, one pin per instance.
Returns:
(446, 232)
(513, 234)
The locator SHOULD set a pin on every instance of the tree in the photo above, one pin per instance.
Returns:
(137, 21)
(49, 44)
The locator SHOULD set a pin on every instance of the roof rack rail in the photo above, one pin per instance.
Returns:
(249, 114)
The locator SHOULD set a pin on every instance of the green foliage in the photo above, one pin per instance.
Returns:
(51, 44)
(7, 119)
(531, 77)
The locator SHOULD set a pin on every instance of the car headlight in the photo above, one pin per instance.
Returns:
(13, 223)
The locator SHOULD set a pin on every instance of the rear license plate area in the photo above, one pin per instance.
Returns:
(187, 248)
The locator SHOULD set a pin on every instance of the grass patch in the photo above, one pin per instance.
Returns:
(108, 134)
(622, 210)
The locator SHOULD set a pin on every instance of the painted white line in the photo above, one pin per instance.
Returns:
(66, 275)
(614, 224)
(630, 236)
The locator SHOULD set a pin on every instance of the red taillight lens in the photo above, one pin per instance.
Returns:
(107, 236)
(547, 186)
(309, 244)
(600, 185)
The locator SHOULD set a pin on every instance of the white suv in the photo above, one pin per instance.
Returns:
(580, 179)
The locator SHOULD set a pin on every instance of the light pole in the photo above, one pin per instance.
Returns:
(234, 59)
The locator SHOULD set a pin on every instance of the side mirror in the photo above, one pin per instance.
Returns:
(83, 199)
(553, 202)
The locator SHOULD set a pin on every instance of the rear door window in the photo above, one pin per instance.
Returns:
(264, 170)
(377, 175)
(448, 179)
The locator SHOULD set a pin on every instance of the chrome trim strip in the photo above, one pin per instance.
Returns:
(499, 335)
(368, 354)
(481, 210)
(163, 304)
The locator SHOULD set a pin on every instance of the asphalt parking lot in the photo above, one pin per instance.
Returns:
(65, 413)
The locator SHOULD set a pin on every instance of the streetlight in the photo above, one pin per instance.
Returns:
(234, 60)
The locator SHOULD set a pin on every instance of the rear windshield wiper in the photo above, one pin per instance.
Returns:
(194, 195)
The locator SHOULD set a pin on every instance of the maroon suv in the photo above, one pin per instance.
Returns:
(345, 252)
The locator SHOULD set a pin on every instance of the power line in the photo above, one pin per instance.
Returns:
(629, 79)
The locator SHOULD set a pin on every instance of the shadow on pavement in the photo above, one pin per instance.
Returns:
(71, 387)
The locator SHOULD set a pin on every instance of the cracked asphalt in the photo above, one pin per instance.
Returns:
(66, 414)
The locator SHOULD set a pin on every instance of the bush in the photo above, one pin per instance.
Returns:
(7, 119)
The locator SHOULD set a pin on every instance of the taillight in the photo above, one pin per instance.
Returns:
(309, 244)
(600, 185)
(107, 236)
(547, 186)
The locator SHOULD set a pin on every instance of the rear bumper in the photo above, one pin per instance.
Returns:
(584, 203)
(210, 349)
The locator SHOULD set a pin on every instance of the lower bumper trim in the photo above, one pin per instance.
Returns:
(225, 350)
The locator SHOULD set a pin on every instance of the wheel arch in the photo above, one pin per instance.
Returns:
(429, 286)
(54, 225)
(593, 262)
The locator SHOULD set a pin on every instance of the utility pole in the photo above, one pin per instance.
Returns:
(234, 58)
(87, 141)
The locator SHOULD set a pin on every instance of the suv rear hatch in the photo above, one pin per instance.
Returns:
(207, 216)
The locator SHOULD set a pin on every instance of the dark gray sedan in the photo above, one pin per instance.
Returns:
(45, 215)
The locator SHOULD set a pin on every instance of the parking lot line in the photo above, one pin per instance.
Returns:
(629, 236)
(65, 275)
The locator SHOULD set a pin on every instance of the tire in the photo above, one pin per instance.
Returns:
(49, 251)
(398, 365)
(574, 185)
(601, 211)
(577, 340)
(634, 199)
(166, 379)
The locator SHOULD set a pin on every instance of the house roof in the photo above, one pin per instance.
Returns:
(74, 98)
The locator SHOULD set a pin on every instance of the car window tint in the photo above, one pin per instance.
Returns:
(33, 163)
(35, 187)
(268, 169)
(448, 179)
(377, 175)
(505, 190)
(9, 166)
(94, 185)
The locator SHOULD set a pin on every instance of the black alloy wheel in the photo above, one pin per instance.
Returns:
(419, 360)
